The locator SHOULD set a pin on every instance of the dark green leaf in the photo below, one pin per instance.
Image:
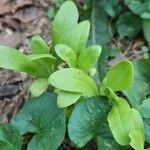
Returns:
(146, 30)
(100, 32)
(88, 120)
(129, 25)
(139, 7)
(42, 117)
(10, 138)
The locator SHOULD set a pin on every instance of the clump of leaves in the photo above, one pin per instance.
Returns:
(91, 109)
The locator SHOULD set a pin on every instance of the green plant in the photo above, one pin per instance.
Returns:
(91, 109)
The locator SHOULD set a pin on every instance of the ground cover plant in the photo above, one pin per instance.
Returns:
(76, 99)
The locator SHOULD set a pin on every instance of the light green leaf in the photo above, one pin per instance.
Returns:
(67, 98)
(140, 91)
(122, 120)
(77, 37)
(66, 54)
(65, 20)
(39, 86)
(129, 25)
(89, 57)
(120, 76)
(74, 80)
(42, 117)
(146, 30)
(44, 61)
(38, 45)
(12, 59)
(10, 138)
(136, 140)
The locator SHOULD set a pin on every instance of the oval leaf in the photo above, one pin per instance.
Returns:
(74, 80)
(123, 120)
(10, 138)
(67, 98)
(42, 117)
(88, 121)
(39, 86)
(89, 57)
(38, 45)
(65, 20)
(120, 76)
(66, 54)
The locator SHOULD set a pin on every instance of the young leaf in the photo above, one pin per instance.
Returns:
(74, 80)
(122, 120)
(129, 25)
(10, 138)
(136, 140)
(120, 76)
(146, 30)
(89, 57)
(66, 54)
(65, 20)
(77, 37)
(88, 121)
(67, 98)
(12, 59)
(38, 45)
(42, 117)
(39, 86)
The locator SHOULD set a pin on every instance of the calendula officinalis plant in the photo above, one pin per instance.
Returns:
(78, 105)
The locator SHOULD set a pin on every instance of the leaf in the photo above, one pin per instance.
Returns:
(12, 59)
(140, 90)
(146, 30)
(129, 25)
(74, 80)
(89, 57)
(103, 59)
(42, 117)
(10, 138)
(112, 7)
(138, 7)
(136, 140)
(77, 37)
(67, 98)
(120, 76)
(100, 33)
(145, 108)
(88, 121)
(38, 45)
(39, 86)
(66, 54)
(122, 120)
(45, 61)
(65, 20)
